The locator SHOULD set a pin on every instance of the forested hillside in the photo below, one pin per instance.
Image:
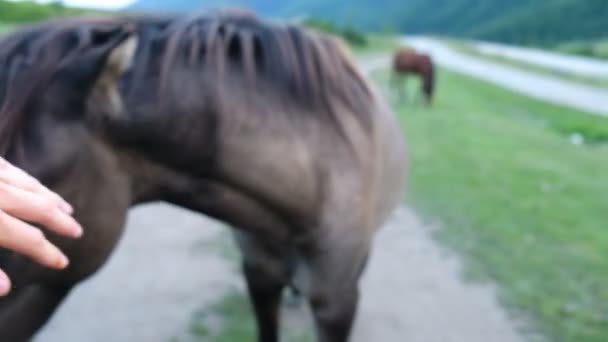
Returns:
(29, 11)
(266, 7)
(540, 22)
(518, 21)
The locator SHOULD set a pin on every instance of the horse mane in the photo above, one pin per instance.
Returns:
(29, 58)
(306, 67)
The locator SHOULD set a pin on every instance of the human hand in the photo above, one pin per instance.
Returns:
(23, 198)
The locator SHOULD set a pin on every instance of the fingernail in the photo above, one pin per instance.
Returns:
(5, 286)
(62, 262)
(78, 231)
(63, 204)
(66, 207)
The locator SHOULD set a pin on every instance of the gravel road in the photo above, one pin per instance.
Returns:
(589, 67)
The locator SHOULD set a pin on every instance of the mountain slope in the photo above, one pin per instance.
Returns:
(521, 21)
(544, 21)
(265, 7)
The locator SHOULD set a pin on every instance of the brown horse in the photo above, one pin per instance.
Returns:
(408, 61)
(267, 127)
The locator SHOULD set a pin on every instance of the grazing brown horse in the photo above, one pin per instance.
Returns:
(267, 127)
(407, 61)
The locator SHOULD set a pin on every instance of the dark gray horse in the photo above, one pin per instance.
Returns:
(268, 127)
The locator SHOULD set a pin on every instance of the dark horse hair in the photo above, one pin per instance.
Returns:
(302, 65)
(311, 69)
(29, 59)
(267, 127)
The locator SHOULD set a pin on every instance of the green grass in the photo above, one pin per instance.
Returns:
(231, 319)
(595, 48)
(524, 206)
(535, 68)
(377, 44)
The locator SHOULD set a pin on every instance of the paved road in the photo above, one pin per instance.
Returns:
(589, 67)
(546, 88)
(166, 268)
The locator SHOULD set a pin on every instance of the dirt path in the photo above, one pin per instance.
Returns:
(413, 291)
(164, 270)
(546, 88)
(161, 273)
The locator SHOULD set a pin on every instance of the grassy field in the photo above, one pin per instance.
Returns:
(517, 199)
(376, 44)
(593, 81)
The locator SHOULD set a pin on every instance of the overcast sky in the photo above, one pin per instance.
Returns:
(109, 4)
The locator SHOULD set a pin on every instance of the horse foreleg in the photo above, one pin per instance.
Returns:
(395, 85)
(392, 82)
(334, 295)
(422, 97)
(403, 88)
(400, 87)
(265, 295)
(264, 274)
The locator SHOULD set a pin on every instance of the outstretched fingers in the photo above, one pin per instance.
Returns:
(26, 198)
(24, 201)
(27, 240)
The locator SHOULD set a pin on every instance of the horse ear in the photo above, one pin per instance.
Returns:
(119, 56)
(92, 73)
(103, 52)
